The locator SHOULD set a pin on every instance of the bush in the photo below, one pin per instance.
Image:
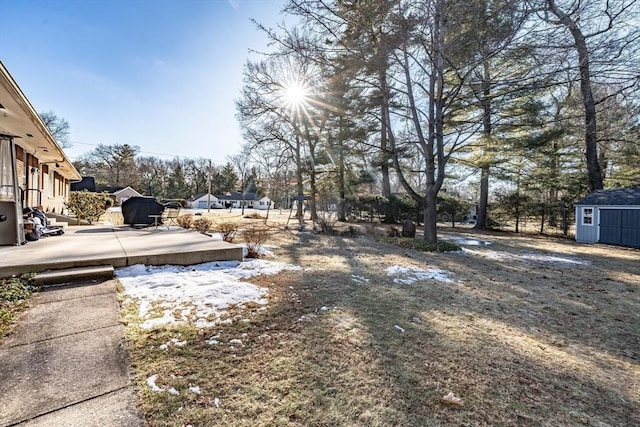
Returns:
(403, 206)
(185, 221)
(228, 230)
(14, 295)
(202, 224)
(254, 238)
(88, 206)
(254, 215)
(326, 221)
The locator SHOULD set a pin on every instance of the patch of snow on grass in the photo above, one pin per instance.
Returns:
(151, 383)
(467, 241)
(408, 275)
(200, 291)
(529, 257)
(359, 279)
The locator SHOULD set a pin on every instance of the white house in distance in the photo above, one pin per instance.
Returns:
(119, 194)
(250, 200)
(34, 171)
(199, 201)
(609, 216)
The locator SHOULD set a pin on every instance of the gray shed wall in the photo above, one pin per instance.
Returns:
(627, 236)
(587, 233)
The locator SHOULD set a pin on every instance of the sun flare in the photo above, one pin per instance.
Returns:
(295, 94)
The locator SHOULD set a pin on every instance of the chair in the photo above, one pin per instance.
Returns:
(170, 215)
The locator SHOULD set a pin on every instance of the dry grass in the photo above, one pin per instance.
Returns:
(522, 342)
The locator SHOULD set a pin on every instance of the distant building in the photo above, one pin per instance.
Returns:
(200, 201)
(118, 194)
(250, 200)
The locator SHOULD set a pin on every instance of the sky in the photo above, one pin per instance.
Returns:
(162, 75)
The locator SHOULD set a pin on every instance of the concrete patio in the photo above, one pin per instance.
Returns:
(116, 246)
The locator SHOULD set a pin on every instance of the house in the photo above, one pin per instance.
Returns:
(609, 216)
(250, 200)
(34, 171)
(264, 203)
(118, 194)
(200, 200)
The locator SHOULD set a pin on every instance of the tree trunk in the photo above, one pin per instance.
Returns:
(299, 181)
(389, 216)
(591, 142)
(430, 223)
(483, 203)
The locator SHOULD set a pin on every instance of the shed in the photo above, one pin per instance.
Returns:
(609, 216)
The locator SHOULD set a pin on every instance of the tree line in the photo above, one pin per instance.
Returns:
(534, 98)
(518, 106)
(121, 165)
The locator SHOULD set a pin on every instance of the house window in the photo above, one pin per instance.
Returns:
(587, 216)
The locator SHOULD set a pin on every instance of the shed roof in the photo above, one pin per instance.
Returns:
(618, 197)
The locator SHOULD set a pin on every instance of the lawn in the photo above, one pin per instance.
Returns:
(511, 330)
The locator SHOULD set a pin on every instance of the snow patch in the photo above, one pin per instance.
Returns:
(467, 241)
(359, 279)
(409, 275)
(151, 383)
(199, 293)
(527, 256)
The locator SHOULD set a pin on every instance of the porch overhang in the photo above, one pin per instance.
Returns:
(18, 119)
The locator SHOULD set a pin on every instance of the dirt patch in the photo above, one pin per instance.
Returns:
(525, 331)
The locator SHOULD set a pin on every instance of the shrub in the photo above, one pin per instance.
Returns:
(228, 230)
(254, 238)
(202, 224)
(254, 215)
(326, 221)
(88, 206)
(403, 206)
(14, 295)
(185, 221)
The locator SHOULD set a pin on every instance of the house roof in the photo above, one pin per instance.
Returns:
(236, 195)
(18, 119)
(108, 188)
(125, 189)
(618, 197)
(201, 195)
(87, 183)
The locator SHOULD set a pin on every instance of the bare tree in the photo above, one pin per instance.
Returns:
(241, 161)
(58, 127)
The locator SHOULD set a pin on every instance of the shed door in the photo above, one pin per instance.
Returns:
(620, 227)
